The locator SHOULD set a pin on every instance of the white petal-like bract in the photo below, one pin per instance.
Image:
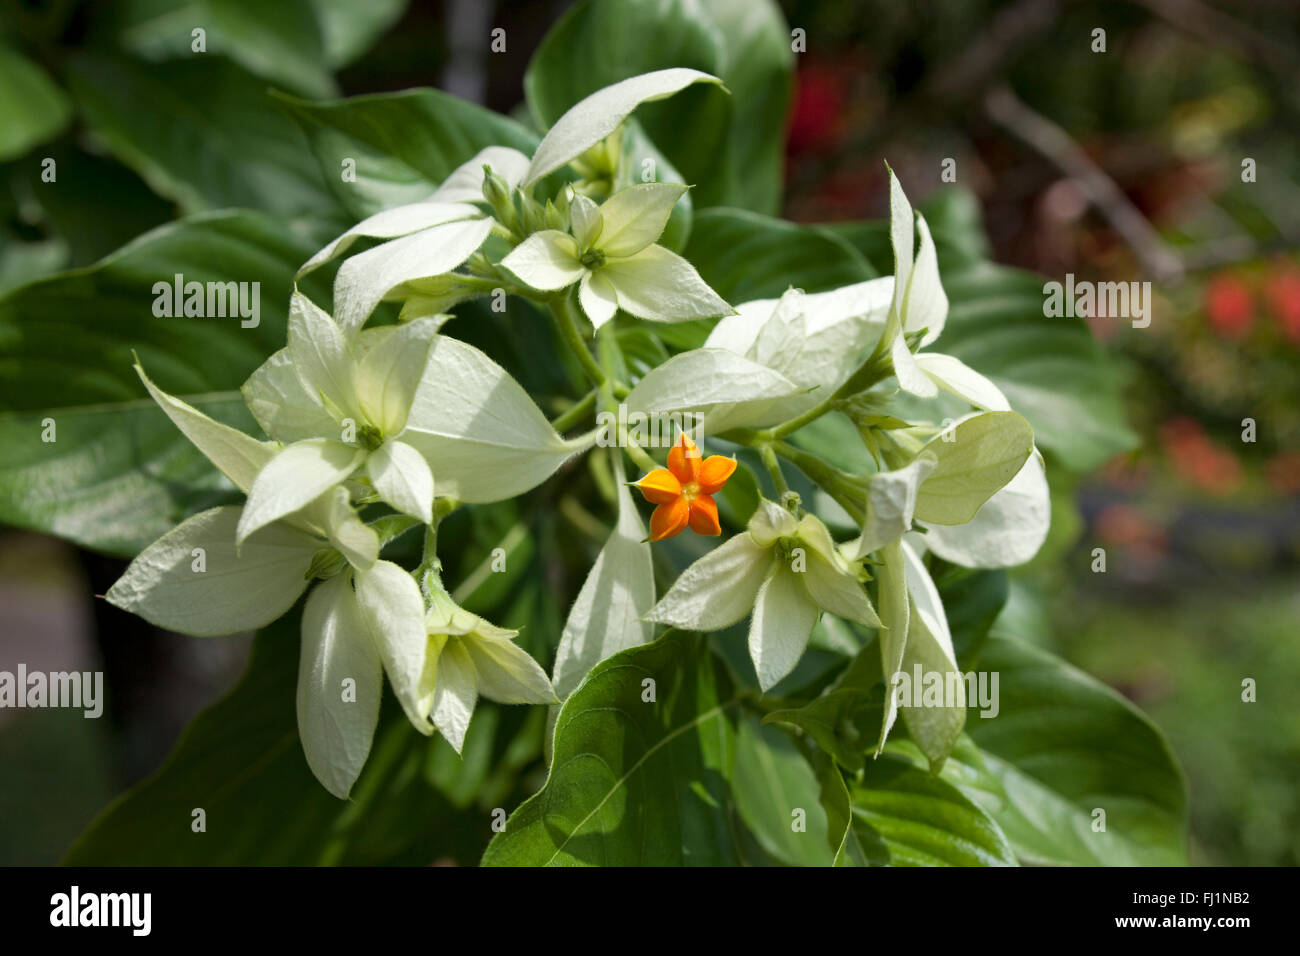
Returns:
(191, 580)
(784, 616)
(364, 280)
(479, 430)
(618, 593)
(717, 590)
(336, 720)
(592, 119)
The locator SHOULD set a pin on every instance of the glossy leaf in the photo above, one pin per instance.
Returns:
(118, 473)
(635, 782)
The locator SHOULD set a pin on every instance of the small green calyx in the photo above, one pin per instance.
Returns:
(325, 564)
(369, 437)
(593, 258)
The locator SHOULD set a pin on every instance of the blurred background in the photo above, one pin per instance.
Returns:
(1115, 163)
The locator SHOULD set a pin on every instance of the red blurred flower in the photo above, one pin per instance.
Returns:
(1283, 292)
(818, 108)
(1229, 305)
(1198, 460)
(1126, 526)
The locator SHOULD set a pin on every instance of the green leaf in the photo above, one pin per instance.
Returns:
(403, 144)
(744, 256)
(118, 474)
(201, 131)
(776, 791)
(1062, 746)
(33, 107)
(922, 820)
(972, 600)
(616, 39)
(973, 461)
(845, 720)
(635, 782)
(280, 41)
(844, 839)
(96, 205)
(349, 29)
(241, 762)
(757, 66)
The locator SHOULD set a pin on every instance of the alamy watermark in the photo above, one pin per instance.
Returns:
(208, 300)
(54, 689)
(75, 908)
(923, 688)
(647, 429)
(1084, 299)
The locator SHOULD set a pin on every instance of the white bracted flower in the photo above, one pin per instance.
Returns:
(466, 656)
(782, 569)
(391, 405)
(614, 259)
(194, 580)
(342, 406)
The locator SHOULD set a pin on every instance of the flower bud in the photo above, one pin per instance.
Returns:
(497, 193)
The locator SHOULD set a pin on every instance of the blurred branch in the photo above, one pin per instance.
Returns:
(1010, 112)
(967, 75)
(1219, 29)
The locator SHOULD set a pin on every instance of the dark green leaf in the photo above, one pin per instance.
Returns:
(201, 131)
(241, 763)
(635, 782)
(403, 145)
(280, 41)
(779, 796)
(922, 820)
(1062, 746)
(118, 473)
(33, 109)
(745, 256)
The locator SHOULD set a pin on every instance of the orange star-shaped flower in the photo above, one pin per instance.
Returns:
(684, 491)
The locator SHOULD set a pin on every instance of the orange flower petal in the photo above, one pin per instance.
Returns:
(669, 519)
(714, 472)
(659, 487)
(684, 459)
(704, 516)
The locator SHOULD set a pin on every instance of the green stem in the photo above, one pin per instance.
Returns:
(794, 424)
(562, 309)
(774, 469)
(874, 369)
(834, 482)
(638, 456)
(575, 413)
(429, 574)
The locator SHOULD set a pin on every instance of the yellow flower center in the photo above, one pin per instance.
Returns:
(690, 491)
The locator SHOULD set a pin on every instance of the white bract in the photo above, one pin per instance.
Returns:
(342, 405)
(591, 120)
(466, 656)
(427, 240)
(919, 305)
(619, 591)
(785, 570)
(194, 580)
(772, 360)
(612, 256)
